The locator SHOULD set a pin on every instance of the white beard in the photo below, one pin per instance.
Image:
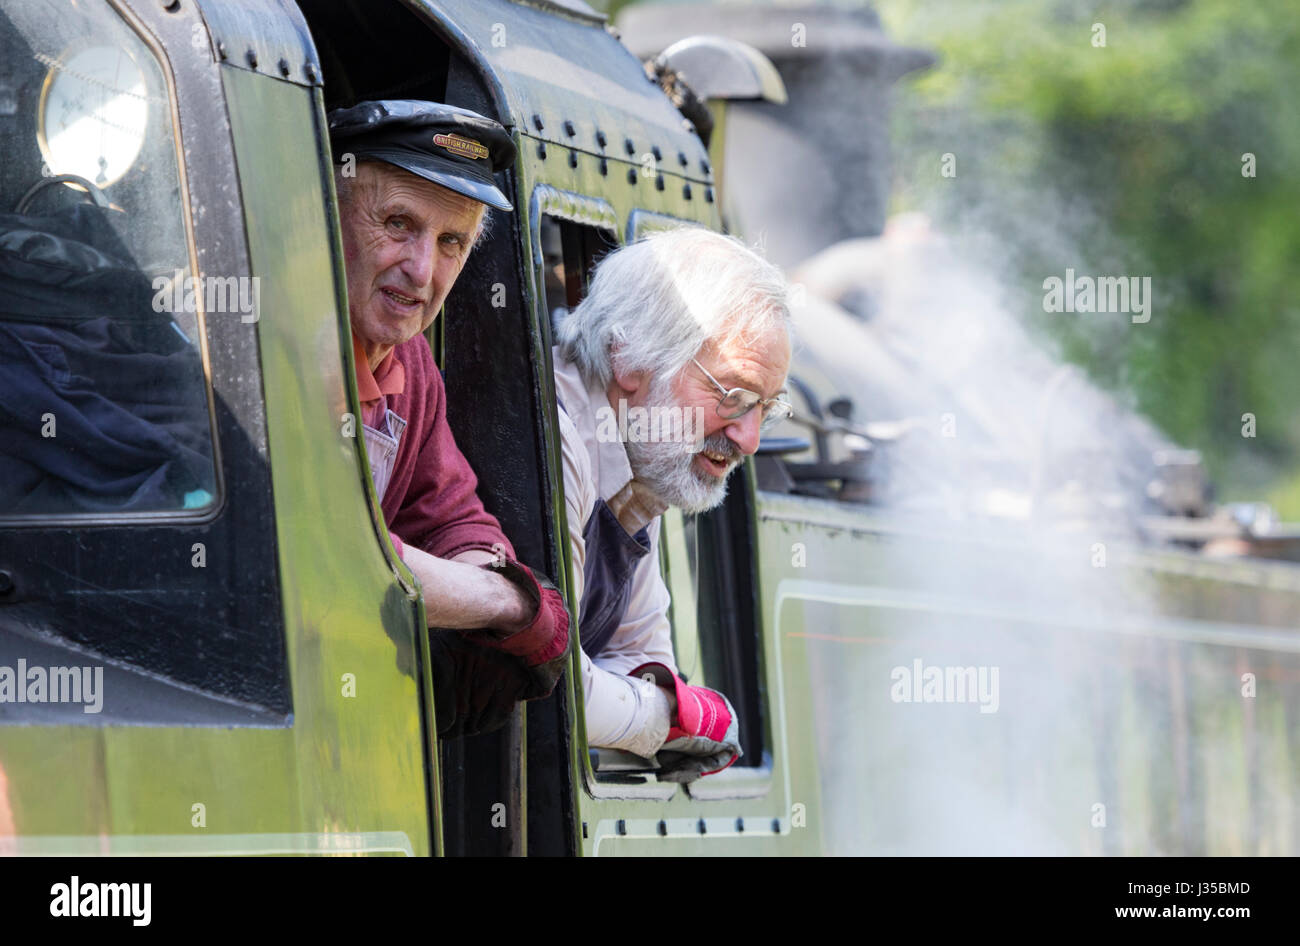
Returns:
(668, 467)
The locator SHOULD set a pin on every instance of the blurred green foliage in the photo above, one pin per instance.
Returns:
(610, 7)
(1127, 159)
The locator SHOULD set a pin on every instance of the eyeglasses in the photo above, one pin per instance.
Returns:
(737, 402)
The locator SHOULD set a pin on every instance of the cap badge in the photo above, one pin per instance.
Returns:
(465, 147)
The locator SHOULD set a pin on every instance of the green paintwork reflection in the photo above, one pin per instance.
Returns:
(352, 768)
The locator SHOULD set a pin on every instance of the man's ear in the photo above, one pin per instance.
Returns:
(628, 382)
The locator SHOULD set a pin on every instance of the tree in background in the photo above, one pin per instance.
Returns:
(1147, 137)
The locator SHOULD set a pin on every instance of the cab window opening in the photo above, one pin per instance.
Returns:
(570, 253)
(713, 609)
(716, 633)
(371, 51)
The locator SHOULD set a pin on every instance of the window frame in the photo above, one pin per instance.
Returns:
(592, 214)
(739, 780)
(214, 635)
(213, 509)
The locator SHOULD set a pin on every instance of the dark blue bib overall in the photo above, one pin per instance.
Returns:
(612, 558)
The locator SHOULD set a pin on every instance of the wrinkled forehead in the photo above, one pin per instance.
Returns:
(384, 183)
(757, 361)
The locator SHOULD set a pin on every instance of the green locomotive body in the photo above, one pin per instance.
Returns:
(266, 670)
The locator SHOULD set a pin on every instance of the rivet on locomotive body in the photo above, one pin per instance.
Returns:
(704, 165)
(701, 827)
(621, 827)
(600, 138)
(631, 175)
(537, 122)
(708, 195)
(740, 825)
(604, 166)
(541, 150)
(251, 56)
(221, 50)
(663, 828)
(681, 158)
(584, 831)
(686, 191)
(654, 149)
(628, 146)
(573, 158)
(569, 129)
(659, 182)
(776, 825)
(284, 67)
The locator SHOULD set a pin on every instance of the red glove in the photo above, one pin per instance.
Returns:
(706, 737)
(547, 637)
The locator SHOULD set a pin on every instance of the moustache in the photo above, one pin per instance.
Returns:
(721, 445)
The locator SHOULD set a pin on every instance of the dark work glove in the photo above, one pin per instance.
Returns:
(475, 688)
(479, 677)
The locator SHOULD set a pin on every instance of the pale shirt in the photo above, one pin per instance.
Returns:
(622, 712)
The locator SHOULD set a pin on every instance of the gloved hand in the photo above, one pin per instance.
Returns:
(480, 676)
(475, 688)
(704, 739)
(544, 644)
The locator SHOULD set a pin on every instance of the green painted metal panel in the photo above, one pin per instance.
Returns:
(349, 775)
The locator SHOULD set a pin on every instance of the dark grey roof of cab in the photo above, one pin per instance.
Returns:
(556, 72)
(576, 7)
(561, 77)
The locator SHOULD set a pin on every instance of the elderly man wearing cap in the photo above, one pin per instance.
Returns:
(690, 326)
(412, 179)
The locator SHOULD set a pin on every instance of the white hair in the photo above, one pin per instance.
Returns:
(654, 303)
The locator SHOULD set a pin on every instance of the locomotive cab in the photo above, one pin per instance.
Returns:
(208, 644)
(234, 591)
(176, 391)
(604, 158)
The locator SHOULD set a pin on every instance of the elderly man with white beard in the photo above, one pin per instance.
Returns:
(691, 326)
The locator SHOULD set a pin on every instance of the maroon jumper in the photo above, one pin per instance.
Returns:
(430, 501)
